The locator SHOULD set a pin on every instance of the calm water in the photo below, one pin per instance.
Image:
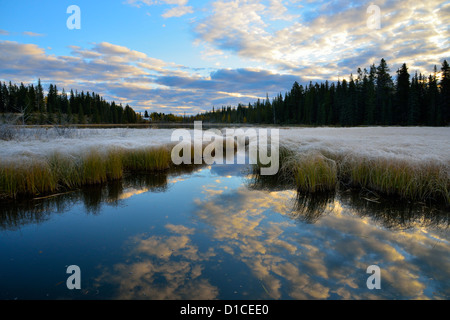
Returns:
(218, 233)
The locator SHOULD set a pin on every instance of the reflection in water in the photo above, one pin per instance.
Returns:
(309, 207)
(167, 267)
(239, 236)
(398, 214)
(329, 259)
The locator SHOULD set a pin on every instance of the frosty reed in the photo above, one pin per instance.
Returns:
(317, 171)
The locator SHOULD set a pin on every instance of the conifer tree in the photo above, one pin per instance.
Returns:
(445, 93)
(402, 95)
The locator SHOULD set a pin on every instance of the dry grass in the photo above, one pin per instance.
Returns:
(65, 172)
(398, 177)
(310, 172)
(317, 171)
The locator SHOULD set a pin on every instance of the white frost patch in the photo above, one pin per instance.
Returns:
(409, 143)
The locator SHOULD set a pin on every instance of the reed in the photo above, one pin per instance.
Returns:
(319, 171)
(33, 177)
(398, 177)
(66, 172)
(315, 173)
(149, 159)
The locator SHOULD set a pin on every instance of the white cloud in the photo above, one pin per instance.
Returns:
(32, 34)
(179, 7)
(177, 11)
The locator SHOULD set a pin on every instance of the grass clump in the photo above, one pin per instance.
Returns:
(321, 171)
(398, 177)
(149, 159)
(32, 177)
(315, 173)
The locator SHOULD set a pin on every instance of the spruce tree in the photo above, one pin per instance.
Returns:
(401, 97)
(384, 90)
(445, 93)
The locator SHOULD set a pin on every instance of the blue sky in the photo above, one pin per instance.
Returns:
(186, 56)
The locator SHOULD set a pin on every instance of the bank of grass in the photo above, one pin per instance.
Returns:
(60, 172)
(312, 172)
(322, 171)
(413, 180)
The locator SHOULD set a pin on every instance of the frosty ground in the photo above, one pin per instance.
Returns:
(409, 143)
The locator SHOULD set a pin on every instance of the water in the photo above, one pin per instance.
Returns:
(219, 233)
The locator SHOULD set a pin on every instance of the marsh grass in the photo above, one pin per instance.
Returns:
(34, 177)
(149, 159)
(398, 177)
(61, 172)
(66, 172)
(320, 171)
(316, 171)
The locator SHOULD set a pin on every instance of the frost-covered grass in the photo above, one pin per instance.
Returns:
(410, 162)
(65, 171)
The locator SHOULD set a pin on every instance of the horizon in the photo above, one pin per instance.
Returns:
(187, 56)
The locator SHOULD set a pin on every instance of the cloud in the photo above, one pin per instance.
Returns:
(244, 81)
(178, 7)
(32, 34)
(177, 11)
(321, 33)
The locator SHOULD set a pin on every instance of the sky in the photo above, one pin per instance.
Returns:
(186, 56)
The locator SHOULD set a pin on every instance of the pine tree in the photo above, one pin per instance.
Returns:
(2, 99)
(445, 93)
(40, 103)
(413, 114)
(402, 96)
(384, 90)
(432, 97)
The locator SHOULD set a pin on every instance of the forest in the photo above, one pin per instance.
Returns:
(29, 105)
(370, 97)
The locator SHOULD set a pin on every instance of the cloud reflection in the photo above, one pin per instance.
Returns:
(168, 268)
(327, 259)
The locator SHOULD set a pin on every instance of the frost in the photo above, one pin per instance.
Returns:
(408, 143)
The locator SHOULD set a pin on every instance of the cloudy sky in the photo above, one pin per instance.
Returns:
(186, 56)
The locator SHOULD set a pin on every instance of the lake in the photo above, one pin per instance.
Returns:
(220, 232)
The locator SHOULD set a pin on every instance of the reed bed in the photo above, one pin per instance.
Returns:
(65, 172)
(398, 177)
(313, 171)
(60, 172)
(323, 171)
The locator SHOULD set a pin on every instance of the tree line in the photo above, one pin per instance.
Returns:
(370, 97)
(35, 107)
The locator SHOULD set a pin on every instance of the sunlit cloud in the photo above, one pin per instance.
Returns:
(326, 33)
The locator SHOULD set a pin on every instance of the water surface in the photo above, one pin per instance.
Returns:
(219, 233)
